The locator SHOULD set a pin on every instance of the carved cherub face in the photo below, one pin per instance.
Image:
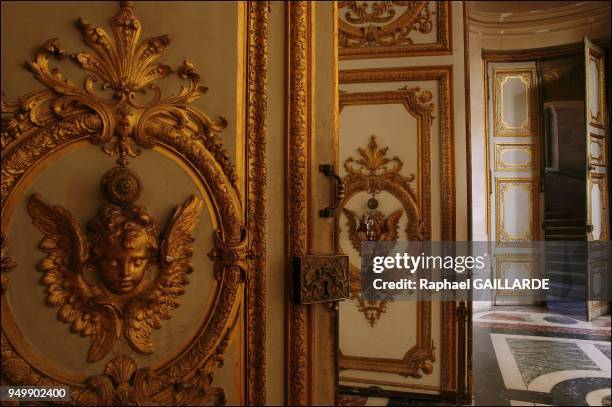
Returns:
(123, 242)
(372, 223)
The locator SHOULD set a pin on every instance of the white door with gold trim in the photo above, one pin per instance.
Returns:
(514, 145)
(597, 176)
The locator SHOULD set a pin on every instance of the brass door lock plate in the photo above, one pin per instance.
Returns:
(321, 278)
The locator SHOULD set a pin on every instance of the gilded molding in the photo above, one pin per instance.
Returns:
(595, 56)
(442, 74)
(528, 127)
(381, 29)
(256, 133)
(299, 27)
(529, 185)
(373, 173)
(601, 181)
(599, 140)
(528, 149)
(503, 265)
(47, 121)
(417, 361)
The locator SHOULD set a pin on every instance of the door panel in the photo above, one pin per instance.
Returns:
(394, 124)
(596, 174)
(514, 145)
(165, 155)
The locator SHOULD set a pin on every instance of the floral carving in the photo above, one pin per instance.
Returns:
(126, 68)
(257, 31)
(374, 28)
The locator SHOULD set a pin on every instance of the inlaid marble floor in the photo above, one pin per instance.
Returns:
(528, 356)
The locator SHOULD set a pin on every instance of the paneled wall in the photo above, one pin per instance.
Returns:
(518, 29)
(402, 154)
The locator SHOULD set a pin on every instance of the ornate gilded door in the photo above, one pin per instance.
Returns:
(125, 275)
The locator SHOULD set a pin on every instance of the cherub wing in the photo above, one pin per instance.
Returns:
(155, 305)
(392, 226)
(356, 236)
(67, 253)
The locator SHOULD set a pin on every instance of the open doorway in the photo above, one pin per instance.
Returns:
(544, 164)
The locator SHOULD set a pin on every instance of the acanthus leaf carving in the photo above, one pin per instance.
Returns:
(369, 24)
(369, 29)
(127, 68)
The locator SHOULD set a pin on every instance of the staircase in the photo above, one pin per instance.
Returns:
(559, 226)
(566, 263)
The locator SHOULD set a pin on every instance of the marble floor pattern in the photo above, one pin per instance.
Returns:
(528, 356)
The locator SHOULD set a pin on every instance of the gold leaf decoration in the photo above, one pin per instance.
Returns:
(126, 67)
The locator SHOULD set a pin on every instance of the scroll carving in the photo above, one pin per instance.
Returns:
(7, 264)
(44, 122)
(386, 28)
(373, 173)
(126, 68)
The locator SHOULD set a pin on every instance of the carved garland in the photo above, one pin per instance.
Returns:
(46, 121)
(443, 75)
(384, 29)
(299, 76)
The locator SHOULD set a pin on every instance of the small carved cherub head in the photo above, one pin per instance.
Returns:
(373, 223)
(123, 242)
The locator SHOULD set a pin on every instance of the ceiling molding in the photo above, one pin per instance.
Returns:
(539, 21)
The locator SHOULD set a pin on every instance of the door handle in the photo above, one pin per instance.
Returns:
(337, 195)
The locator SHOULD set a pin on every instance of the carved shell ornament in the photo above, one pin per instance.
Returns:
(99, 277)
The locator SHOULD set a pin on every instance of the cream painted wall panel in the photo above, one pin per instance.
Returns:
(388, 381)
(459, 111)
